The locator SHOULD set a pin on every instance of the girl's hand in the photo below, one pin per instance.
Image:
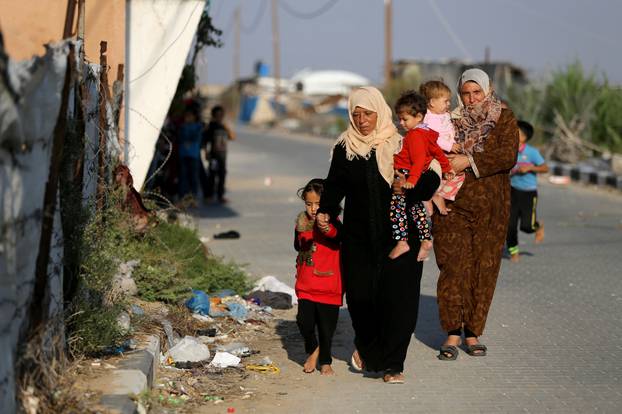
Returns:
(408, 186)
(455, 148)
(322, 220)
(397, 183)
(458, 162)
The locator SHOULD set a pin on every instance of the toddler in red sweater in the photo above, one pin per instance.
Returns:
(318, 279)
(419, 149)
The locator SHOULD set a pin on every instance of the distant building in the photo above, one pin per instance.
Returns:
(327, 82)
(503, 74)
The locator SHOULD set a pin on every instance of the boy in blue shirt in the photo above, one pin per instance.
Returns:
(524, 183)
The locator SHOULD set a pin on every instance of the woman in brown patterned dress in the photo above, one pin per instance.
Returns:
(468, 242)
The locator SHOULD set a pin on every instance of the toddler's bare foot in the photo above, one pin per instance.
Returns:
(429, 208)
(400, 248)
(424, 250)
(439, 202)
(326, 370)
(311, 362)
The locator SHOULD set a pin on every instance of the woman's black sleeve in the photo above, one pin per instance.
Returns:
(335, 184)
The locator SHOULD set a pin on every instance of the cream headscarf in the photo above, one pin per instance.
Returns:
(384, 138)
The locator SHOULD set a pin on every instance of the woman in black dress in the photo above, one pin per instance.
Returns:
(382, 294)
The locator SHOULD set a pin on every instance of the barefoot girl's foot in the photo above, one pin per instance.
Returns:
(311, 362)
(424, 250)
(400, 248)
(326, 370)
(439, 202)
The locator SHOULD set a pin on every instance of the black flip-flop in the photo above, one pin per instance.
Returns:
(477, 350)
(448, 349)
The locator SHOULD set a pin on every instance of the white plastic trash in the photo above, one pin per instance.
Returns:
(189, 349)
(224, 360)
(272, 284)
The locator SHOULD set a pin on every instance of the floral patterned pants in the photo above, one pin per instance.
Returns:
(400, 213)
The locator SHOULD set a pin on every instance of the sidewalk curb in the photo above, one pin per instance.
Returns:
(137, 373)
(586, 175)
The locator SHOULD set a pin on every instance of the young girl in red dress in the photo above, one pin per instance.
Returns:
(318, 279)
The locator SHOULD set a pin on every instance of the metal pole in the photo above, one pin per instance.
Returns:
(276, 51)
(388, 41)
(236, 53)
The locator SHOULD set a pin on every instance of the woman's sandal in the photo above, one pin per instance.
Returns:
(393, 378)
(448, 353)
(357, 367)
(477, 350)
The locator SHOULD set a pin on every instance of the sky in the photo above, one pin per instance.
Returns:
(539, 35)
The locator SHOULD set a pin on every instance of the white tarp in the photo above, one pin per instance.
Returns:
(160, 34)
(328, 82)
(24, 167)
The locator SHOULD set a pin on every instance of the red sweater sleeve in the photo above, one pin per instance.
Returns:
(437, 152)
(417, 153)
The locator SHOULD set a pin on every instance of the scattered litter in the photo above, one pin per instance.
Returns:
(211, 332)
(202, 318)
(236, 348)
(276, 300)
(137, 310)
(230, 410)
(199, 302)
(272, 284)
(265, 361)
(224, 360)
(559, 180)
(237, 311)
(263, 368)
(231, 234)
(122, 281)
(212, 398)
(171, 337)
(267, 181)
(123, 321)
(189, 349)
(96, 364)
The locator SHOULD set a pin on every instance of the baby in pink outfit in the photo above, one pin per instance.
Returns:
(438, 118)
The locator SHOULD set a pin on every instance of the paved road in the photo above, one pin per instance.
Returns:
(554, 332)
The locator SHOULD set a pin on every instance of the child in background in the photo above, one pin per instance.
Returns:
(318, 279)
(438, 118)
(190, 135)
(525, 191)
(419, 149)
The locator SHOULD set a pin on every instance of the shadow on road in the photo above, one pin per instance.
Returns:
(292, 342)
(215, 211)
(428, 329)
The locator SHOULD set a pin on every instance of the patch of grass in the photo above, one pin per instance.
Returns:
(173, 261)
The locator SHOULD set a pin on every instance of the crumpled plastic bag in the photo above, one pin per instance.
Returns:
(224, 360)
(199, 302)
(272, 284)
(189, 349)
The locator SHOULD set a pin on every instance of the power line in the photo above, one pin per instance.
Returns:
(454, 37)
(307, 15)
(250, 29)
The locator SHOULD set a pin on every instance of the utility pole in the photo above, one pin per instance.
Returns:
(275, 51)
(388, 40)
(236, 53)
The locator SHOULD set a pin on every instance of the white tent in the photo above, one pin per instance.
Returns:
(328, 82)
(159, 36)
